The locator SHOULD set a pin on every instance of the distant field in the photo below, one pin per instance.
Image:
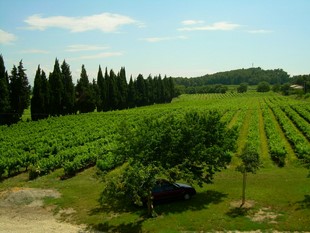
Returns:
(278, 126)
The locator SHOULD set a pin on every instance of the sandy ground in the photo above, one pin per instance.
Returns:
(21, 210)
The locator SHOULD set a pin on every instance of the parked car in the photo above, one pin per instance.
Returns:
(165, 190)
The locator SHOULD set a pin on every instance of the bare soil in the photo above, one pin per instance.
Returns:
(22, 210)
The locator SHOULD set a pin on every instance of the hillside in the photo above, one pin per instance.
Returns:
(252, 76)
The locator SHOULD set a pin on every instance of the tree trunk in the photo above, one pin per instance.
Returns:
(150, 207)
(243, 189)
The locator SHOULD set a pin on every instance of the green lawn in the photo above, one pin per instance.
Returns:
(283, 193)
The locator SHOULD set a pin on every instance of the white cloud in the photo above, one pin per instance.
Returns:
(6, 37)
(159, 39)
(219, 26)
(35, 51)
(97, 56)
(260, 31)
(192, 22)
(106, 22)
(84, 47)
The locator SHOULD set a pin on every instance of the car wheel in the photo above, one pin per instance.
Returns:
(187, 196)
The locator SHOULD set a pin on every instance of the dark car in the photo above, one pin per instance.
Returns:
(165, 190)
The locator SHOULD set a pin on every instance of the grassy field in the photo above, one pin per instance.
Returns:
(277, 198)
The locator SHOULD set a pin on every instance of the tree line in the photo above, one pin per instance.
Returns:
(252, 76)
(57, 95)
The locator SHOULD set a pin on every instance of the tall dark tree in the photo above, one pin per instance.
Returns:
(40, 96)
(84, 94)
(56, 90)
(141, 97)
(131, 94)
(68, 96)
(4, 94)
(106, 90)
(114, 96)
(20, 92)
(101, 89)
(122, 88)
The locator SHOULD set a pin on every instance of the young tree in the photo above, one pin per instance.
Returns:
(4, 94)
(191, 146)
(19, 92)
(250, 163)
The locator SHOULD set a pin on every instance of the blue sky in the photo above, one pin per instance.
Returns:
(170, 37)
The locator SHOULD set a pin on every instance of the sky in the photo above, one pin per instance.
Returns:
(186, 38)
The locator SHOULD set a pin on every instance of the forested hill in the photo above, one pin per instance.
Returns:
(252, 76)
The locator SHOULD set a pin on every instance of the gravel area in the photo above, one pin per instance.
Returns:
(21, 210)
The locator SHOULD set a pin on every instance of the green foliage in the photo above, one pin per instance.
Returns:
(252, 76)
(19, 92)
(263, 87)
(40, 96)
(250, 160)
(191, 146)
(243, 87)
(5, 106)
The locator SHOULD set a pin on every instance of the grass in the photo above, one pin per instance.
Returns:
(283, 191)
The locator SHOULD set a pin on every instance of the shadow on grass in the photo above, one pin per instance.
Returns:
(238, 212)
(198, 202)
(304, 204)
(121, 228)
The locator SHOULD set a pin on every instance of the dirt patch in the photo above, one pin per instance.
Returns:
(21, 210)
(265, 215)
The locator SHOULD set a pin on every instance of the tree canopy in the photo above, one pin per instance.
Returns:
(190, 146)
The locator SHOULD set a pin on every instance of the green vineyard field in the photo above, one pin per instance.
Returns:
(79, 141)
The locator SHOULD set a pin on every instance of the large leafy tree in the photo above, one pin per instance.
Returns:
(40, 96)
(191, 146)
(19, 92)
(4, 94)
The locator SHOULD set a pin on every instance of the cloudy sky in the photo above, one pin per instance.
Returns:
(169, 37)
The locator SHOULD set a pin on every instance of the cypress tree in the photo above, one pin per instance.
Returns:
(68, 95)
(85, 95)
(20, 92)
(123, 88)
(140, 91)
(131, 94)
(101, 90)
(4, 94)
(37, 99)
(106, 89)
(56, 90)
(114, 96)
(40, 97)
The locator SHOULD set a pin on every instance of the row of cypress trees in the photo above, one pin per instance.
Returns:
(14, 93)
(56, 94)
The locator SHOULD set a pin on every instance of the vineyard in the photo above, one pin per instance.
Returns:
(77, 142)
